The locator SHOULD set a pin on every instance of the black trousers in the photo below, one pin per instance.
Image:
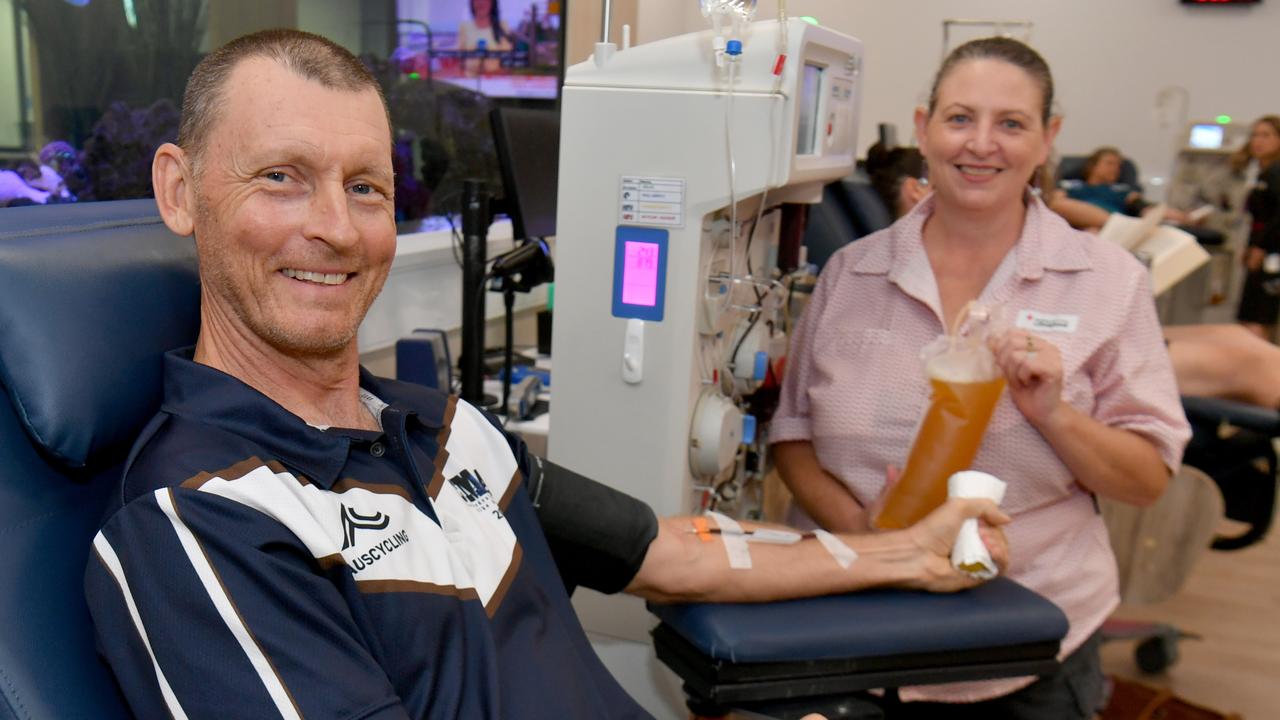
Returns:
(1260, 302)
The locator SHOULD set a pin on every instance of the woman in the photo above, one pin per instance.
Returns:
(897, 175)
(1090, 408)
(1260, 303)
(484, 29)
(1220, 361)
(1102, 187)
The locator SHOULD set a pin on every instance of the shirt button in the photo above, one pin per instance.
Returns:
(377, 449)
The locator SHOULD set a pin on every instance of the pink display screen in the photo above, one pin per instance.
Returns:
(640, 274)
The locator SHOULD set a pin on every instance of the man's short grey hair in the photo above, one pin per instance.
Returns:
(309, 55)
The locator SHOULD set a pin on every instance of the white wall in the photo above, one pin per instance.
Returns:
(1110, 59)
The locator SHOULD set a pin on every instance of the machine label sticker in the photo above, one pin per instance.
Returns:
(1045, 322)
(651, 201)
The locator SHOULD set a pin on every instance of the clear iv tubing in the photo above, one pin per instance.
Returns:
(780, 50)
(733, 172)
(783, 41)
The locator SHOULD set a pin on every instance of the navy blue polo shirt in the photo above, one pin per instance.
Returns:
(254, 566)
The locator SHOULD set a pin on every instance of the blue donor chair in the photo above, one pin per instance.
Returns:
(90, 297)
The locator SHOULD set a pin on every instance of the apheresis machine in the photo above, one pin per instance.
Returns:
(685, 166)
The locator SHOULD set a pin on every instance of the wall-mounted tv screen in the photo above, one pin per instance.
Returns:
(500, 48)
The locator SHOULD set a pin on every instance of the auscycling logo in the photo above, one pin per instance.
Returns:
(353, 521)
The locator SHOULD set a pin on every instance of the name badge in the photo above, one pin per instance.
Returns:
(1046, 322)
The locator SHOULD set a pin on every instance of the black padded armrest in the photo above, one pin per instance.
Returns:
(731, 654)
(1201, 410)
(1205, 236)
(874, 623)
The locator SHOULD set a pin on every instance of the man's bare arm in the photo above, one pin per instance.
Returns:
(683, 566)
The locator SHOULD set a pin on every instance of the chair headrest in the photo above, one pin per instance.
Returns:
(865, 205)
(91, 296)
(1071, 167)
(850, 209)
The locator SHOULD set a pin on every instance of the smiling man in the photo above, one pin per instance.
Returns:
(297, 538)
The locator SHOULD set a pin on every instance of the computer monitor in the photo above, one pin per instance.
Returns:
(528, 145)
(515, 51)
(1206, 137)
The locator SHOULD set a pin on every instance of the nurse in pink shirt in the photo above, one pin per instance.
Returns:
(1091, 406)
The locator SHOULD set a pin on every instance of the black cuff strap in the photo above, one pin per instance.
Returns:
(598, 536)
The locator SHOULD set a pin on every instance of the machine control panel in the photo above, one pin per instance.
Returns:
(640, 273)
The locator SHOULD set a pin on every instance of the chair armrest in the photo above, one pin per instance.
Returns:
(874, 623)
(1201, 410)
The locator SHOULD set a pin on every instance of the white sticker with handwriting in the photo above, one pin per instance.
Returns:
(1046, 322)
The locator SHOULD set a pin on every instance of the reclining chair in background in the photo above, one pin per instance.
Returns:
(1071, 167)
(1233, 443)
(850, 209)
(90, 297)
(1071, 170)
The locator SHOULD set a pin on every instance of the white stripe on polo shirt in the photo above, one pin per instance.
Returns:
(394, 544)
(226, 608)
(111, 561)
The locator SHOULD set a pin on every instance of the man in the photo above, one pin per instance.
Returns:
(295, 537)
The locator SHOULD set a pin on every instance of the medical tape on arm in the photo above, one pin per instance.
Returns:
(735, 545)
(843, 554)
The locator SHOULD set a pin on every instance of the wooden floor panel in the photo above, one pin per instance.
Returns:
(1232, 599)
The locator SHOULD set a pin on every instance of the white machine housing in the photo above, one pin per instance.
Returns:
(658, 111)
(1203, 175)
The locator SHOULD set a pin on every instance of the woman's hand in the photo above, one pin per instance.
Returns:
(1032, 367)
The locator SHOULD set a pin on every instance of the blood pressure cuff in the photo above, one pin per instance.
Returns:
(598, 536)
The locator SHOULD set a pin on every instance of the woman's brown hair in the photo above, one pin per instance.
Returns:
(1092, 161)
(1240, 158)
(1000, 48)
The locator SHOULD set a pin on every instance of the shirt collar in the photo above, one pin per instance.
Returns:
(207, 395)
(1046, 244)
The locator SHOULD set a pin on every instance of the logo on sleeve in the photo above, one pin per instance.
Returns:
(353, 521)
(474, 492)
